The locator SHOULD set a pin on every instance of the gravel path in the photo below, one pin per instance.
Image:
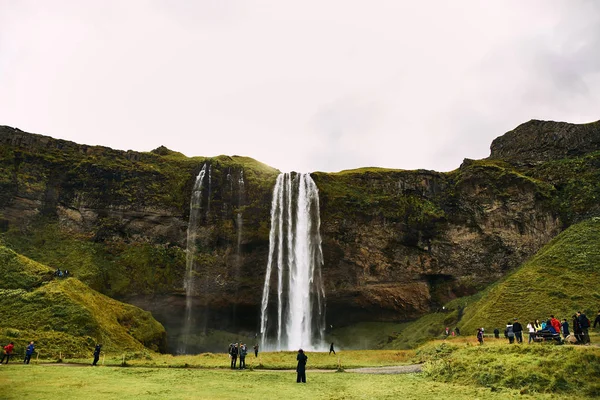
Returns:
(400, 369)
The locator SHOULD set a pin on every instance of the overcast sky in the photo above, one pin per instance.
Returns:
(300, 85)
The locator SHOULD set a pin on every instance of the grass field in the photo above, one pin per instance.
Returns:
(266, 360)
(62, 382)
(452, 369)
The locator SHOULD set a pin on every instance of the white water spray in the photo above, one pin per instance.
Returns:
(295, 248)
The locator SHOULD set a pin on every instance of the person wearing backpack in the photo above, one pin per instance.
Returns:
(234, 354)
(8, 349)
(584, 323)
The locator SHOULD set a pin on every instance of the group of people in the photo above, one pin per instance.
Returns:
(8, 352)
(450, 332)
(62, 274)
(240, 350)
(550, 329)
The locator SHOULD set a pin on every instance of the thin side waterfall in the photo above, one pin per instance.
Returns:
(297, 320)
(239, 217)
(192, 232)
(239, 221)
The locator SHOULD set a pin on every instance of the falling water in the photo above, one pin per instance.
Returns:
(238, 217)
(192, 232)
(295, 251)
(240, 228)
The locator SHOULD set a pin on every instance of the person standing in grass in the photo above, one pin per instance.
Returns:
(565, 328)
(233, 352)
(480, 336)
(577, 330)
(8, 349)
(243, 352)
(597, 320)
(584, 323)
(518, 330)
(97, 353)
(331, 349)
(497, 333)
(508, 333)
(256, 350)
(301, 368)
(531, 330)
(29, 352)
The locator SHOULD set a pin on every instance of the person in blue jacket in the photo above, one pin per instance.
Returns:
(29, 352)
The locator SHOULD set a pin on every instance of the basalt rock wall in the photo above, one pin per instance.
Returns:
(396, 243)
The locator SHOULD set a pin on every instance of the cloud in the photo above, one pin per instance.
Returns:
(316, 85)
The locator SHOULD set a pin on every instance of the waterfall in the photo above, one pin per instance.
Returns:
(295, 252)
(192, 232)
(238, 217)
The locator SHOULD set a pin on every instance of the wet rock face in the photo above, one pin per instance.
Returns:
(537, 141)
(396, 244)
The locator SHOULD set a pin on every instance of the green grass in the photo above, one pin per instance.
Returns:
(65, 315)
(265, 360)
(56, 382)
(535, 368)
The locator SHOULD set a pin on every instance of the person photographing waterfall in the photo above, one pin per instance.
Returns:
(301, 368)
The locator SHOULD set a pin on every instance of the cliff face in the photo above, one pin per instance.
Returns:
(396, 243)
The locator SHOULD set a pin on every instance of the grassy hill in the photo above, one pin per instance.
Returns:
(562, 278)
(65, 315)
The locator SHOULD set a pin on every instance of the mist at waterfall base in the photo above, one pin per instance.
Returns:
(293, 301)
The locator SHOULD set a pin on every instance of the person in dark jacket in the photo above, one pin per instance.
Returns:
(584, 323)
(8, 349)
(233, 351)
(256, 350)
(508, 333)
(597, 320)
(243, 351)
(331, 349)
(565, 328)
(518, 330)
(29, 352)
(301, 368)
(577, 330)
(480, 336)
(457, 331)
(497, 333)
(97, 353)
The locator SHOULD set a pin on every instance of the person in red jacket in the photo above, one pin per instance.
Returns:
(555, 323)
(8, 349)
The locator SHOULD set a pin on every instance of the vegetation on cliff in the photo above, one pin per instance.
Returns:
(64, 315)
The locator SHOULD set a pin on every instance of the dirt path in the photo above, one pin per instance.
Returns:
(390, 370)
(399, 369)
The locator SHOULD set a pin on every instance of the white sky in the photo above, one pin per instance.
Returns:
(300, 85)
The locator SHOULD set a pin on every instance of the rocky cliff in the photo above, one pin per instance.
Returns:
(396, 243)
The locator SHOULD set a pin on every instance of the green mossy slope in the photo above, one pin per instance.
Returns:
(65, 315)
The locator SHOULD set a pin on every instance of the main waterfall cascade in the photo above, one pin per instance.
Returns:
(192, 232)
(295, 317)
